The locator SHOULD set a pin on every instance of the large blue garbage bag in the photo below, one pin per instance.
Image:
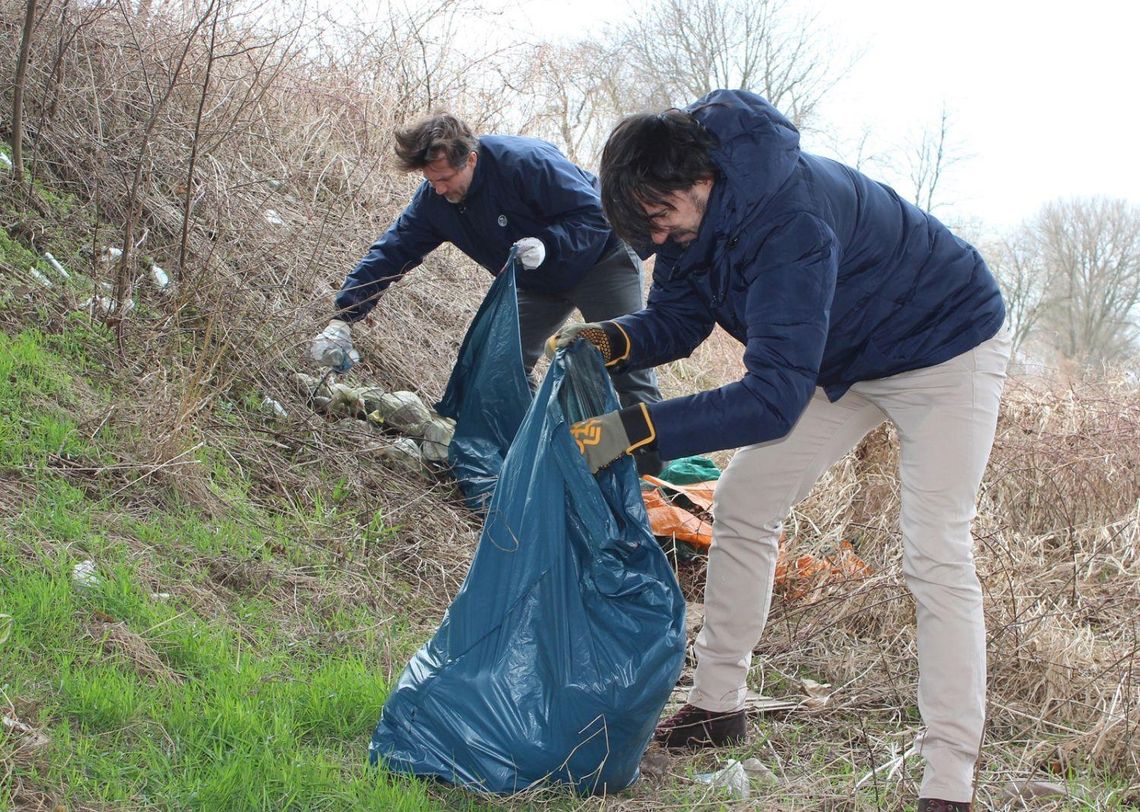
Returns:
(488, 393)
(557, 655)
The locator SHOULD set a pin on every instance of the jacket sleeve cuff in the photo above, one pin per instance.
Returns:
(639, 429)
(619, 342)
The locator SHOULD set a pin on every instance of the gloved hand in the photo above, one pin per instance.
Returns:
(610, 339)
(608, 437)
(332, 347)
(531, 252)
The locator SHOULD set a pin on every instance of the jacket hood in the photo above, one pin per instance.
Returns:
(757, 150)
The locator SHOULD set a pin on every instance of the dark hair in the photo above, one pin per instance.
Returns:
(433, 137)
(646, 158)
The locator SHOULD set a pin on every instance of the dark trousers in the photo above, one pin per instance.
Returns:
(612, 288)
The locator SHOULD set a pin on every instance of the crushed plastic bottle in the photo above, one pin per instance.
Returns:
(273, 408)
(40, 277)
(732, 777)
(273, 218)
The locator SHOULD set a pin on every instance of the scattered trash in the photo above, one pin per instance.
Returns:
(405, 453)
(345, 400)
(371, 396)
(275, 184)
(273, 408)
(273, 218)
(40, 277)
(159, 277)
(809, 576)
(1027, 790)
(110, 253)
(403, 412)
(732, 777)
(817, 694)
(83, 574)
(679, 512)
(54, 263)
(17, 729)
(106, 306)
(769, 704)
(759, 771)
(160, 596)
(6, 622)
(311, 387)
(5, 161)
(438, 432)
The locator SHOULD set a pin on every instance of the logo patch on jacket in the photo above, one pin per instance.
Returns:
(502, 221)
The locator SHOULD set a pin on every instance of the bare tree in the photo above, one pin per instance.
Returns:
(1018, 264)
(929, 159)
(1091, 254)
(682, 49)
(572, 95)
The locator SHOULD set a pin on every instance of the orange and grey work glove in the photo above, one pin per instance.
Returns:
(605, 438)
(608, 336)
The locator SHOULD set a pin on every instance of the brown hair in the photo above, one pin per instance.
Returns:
(433, 137)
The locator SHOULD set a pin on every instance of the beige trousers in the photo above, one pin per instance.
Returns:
(946, 417)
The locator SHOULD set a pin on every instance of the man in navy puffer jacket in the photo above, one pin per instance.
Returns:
(853, 307)
(486, 195)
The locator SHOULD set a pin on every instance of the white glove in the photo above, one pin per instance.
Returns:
(332, 347)
(531, 252)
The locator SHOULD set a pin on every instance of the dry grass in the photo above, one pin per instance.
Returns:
(291, 128)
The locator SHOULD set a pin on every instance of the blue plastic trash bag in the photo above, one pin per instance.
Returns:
(557, 655)
(488, 393)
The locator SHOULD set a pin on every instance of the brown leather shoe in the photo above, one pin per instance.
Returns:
(696, 727)
(935, 805)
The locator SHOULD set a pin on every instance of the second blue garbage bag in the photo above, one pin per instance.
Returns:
(557, 655)
(488, 392)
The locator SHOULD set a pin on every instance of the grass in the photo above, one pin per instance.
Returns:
(144, 695)
(147, 704)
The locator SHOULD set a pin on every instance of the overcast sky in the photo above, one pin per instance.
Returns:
(1042, 96)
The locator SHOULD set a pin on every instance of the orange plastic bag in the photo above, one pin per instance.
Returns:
(672, 521)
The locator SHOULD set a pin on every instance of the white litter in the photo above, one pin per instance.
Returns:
(106, 306)
(110, 253)
(274, 408)
(54, 263)
(273, 218)
(5, 161)
(732, 777)
(83, 574)
(757, 769)
(159, 277)
(40, 277)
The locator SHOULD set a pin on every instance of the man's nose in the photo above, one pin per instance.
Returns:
(659, 237)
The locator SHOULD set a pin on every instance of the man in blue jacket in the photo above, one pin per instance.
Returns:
(486, 195)
(854, 307)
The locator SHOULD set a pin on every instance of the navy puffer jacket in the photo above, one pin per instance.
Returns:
(825, 276)
(521, 187)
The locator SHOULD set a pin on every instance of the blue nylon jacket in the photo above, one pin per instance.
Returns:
(825, 276)
(521, 187)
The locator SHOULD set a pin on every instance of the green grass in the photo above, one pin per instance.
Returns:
(198, 711)
(152, 701)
